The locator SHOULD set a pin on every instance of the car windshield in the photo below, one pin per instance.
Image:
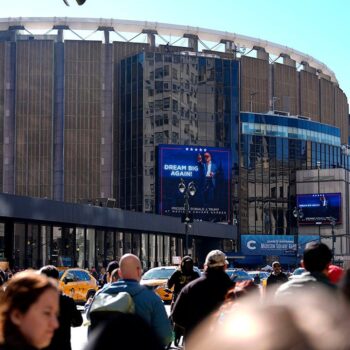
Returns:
(238, 275)
(158, 274)
(60, 274)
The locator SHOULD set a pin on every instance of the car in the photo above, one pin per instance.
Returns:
(78, 284)
(157, 278)
(297, 272)
(238, 275)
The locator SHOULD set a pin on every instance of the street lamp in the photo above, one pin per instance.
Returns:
(188, 191)
(298, 214)
(333, 222)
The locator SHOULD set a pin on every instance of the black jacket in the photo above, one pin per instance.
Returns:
(276, 279)
(179, 279)
(69, 316)
(200, 298)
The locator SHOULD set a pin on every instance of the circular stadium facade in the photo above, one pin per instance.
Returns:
(90, 106)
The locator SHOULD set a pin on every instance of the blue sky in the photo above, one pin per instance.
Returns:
(316, 27)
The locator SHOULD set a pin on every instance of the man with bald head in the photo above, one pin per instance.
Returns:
(148, 304)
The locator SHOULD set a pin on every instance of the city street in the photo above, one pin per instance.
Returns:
(79, 334)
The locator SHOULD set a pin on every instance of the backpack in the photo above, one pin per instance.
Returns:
(108, 306)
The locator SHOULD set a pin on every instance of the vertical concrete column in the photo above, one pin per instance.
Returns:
(261, 53)
(9, 118)
(230, 47)
(287, 60)
(192, 41)
(107, 121)
(58, 123)
(151, 36)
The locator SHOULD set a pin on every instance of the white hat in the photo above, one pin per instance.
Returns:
(215, 258)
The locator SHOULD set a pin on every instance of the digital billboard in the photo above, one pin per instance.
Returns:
(319, 208)
(209, 168)
(275, 245)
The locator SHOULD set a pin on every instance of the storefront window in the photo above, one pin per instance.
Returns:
(119, 245)
(46, 244)
(90, 248)
(19, 245)
(79, 247)
(33, 247)
(179, 250)
(166, 250)
(144, 251)
(127, 242)
(100, 249)
(68, 247)
(109, 245)
(160, 250)
(136, 244)
(152, 250)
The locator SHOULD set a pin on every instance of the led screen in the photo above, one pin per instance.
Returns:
(209, 168)
(275, 245)
(319, 208)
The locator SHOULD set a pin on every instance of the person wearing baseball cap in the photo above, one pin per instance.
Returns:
(201, 297)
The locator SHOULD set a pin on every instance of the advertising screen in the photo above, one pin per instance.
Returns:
(208, 168)
(319, 208)
(275, 245)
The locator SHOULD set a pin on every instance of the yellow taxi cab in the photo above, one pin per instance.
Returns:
(157, 279)
(78, 284)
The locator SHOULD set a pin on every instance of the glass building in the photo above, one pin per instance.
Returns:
(172, 98)
(272, 149)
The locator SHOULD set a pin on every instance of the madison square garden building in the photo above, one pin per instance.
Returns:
(109, 111)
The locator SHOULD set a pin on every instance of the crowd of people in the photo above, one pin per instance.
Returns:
(208, 311)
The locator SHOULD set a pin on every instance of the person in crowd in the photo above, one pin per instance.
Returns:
(148, 305)
(125, 324)
(29, 306)
(94, 273)
(202, 296)
(107, 279)
(182, 276)
(316, 260)
(69, 315)
(115, 275)
(303, 321)
(102, 277)
(112, 265)
(277, 277)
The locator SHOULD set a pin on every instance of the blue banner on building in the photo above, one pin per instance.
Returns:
(275, 245)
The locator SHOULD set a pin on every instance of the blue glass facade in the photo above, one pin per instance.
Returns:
(289, 127)
(273, 148)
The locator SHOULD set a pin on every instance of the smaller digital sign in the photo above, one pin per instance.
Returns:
(275, 245)
(319, 208)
